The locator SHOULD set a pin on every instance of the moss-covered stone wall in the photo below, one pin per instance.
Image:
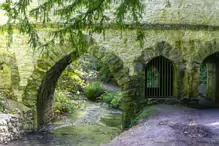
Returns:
(190, 43)
(18, 57)
(195, 12)
(183, 31)
(184, 47)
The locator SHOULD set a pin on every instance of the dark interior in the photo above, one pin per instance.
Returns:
(159, 78)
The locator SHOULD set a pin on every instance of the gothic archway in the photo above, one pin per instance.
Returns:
(209, 78)
(159, 75)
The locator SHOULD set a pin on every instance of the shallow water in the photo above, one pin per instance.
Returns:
(92, 125)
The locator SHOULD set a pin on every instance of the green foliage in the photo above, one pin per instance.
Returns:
(71, 18)
(78, 74)
(71, 81)
(3, 108)
(107, 97)
(88, 62)
(112, 98)
(116, 100)
(94, 90)
(5, 94)
(105, 74)
(63, 104)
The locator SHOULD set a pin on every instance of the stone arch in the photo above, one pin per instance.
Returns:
(167, 51)
(40, 89)
(10, 61)
(209, 78)
(161, 49)
(134, 88)
(206, 49)
(192, 76)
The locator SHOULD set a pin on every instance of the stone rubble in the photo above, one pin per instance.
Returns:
(10, 127)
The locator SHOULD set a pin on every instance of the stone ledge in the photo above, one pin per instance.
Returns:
(168, 100)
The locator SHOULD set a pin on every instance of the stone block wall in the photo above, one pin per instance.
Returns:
(10, 128)
(20, 59)
(184, 47)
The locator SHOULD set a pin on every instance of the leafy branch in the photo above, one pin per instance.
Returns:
(71, 18)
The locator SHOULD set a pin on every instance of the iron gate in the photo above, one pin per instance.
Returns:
(159, 78)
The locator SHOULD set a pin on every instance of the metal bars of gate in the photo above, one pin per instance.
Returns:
(160, 81)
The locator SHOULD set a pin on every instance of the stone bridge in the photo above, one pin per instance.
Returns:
(39, 91)
(177, 58)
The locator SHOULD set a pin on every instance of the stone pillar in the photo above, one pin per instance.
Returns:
(133, 94)
(191, 82)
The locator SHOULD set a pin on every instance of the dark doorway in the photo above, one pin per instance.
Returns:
(209, 78)
(159, 76)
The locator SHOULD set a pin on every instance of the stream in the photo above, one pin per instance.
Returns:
(92, 124)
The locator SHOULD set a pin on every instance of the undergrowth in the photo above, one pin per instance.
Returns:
(63, 104)
(112, 98)
(94, 90)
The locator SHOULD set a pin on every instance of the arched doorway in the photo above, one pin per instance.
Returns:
(159, 76)
(209, 78)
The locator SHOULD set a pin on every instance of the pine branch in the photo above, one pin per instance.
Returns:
(74, 17)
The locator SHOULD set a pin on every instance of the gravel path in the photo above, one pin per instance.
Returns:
(111, 87)
(174, 126)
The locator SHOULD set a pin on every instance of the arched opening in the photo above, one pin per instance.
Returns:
(39, 92)
(209, 78)
(47, 95)
(159, 74)
(45, 99)
(64, 85)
